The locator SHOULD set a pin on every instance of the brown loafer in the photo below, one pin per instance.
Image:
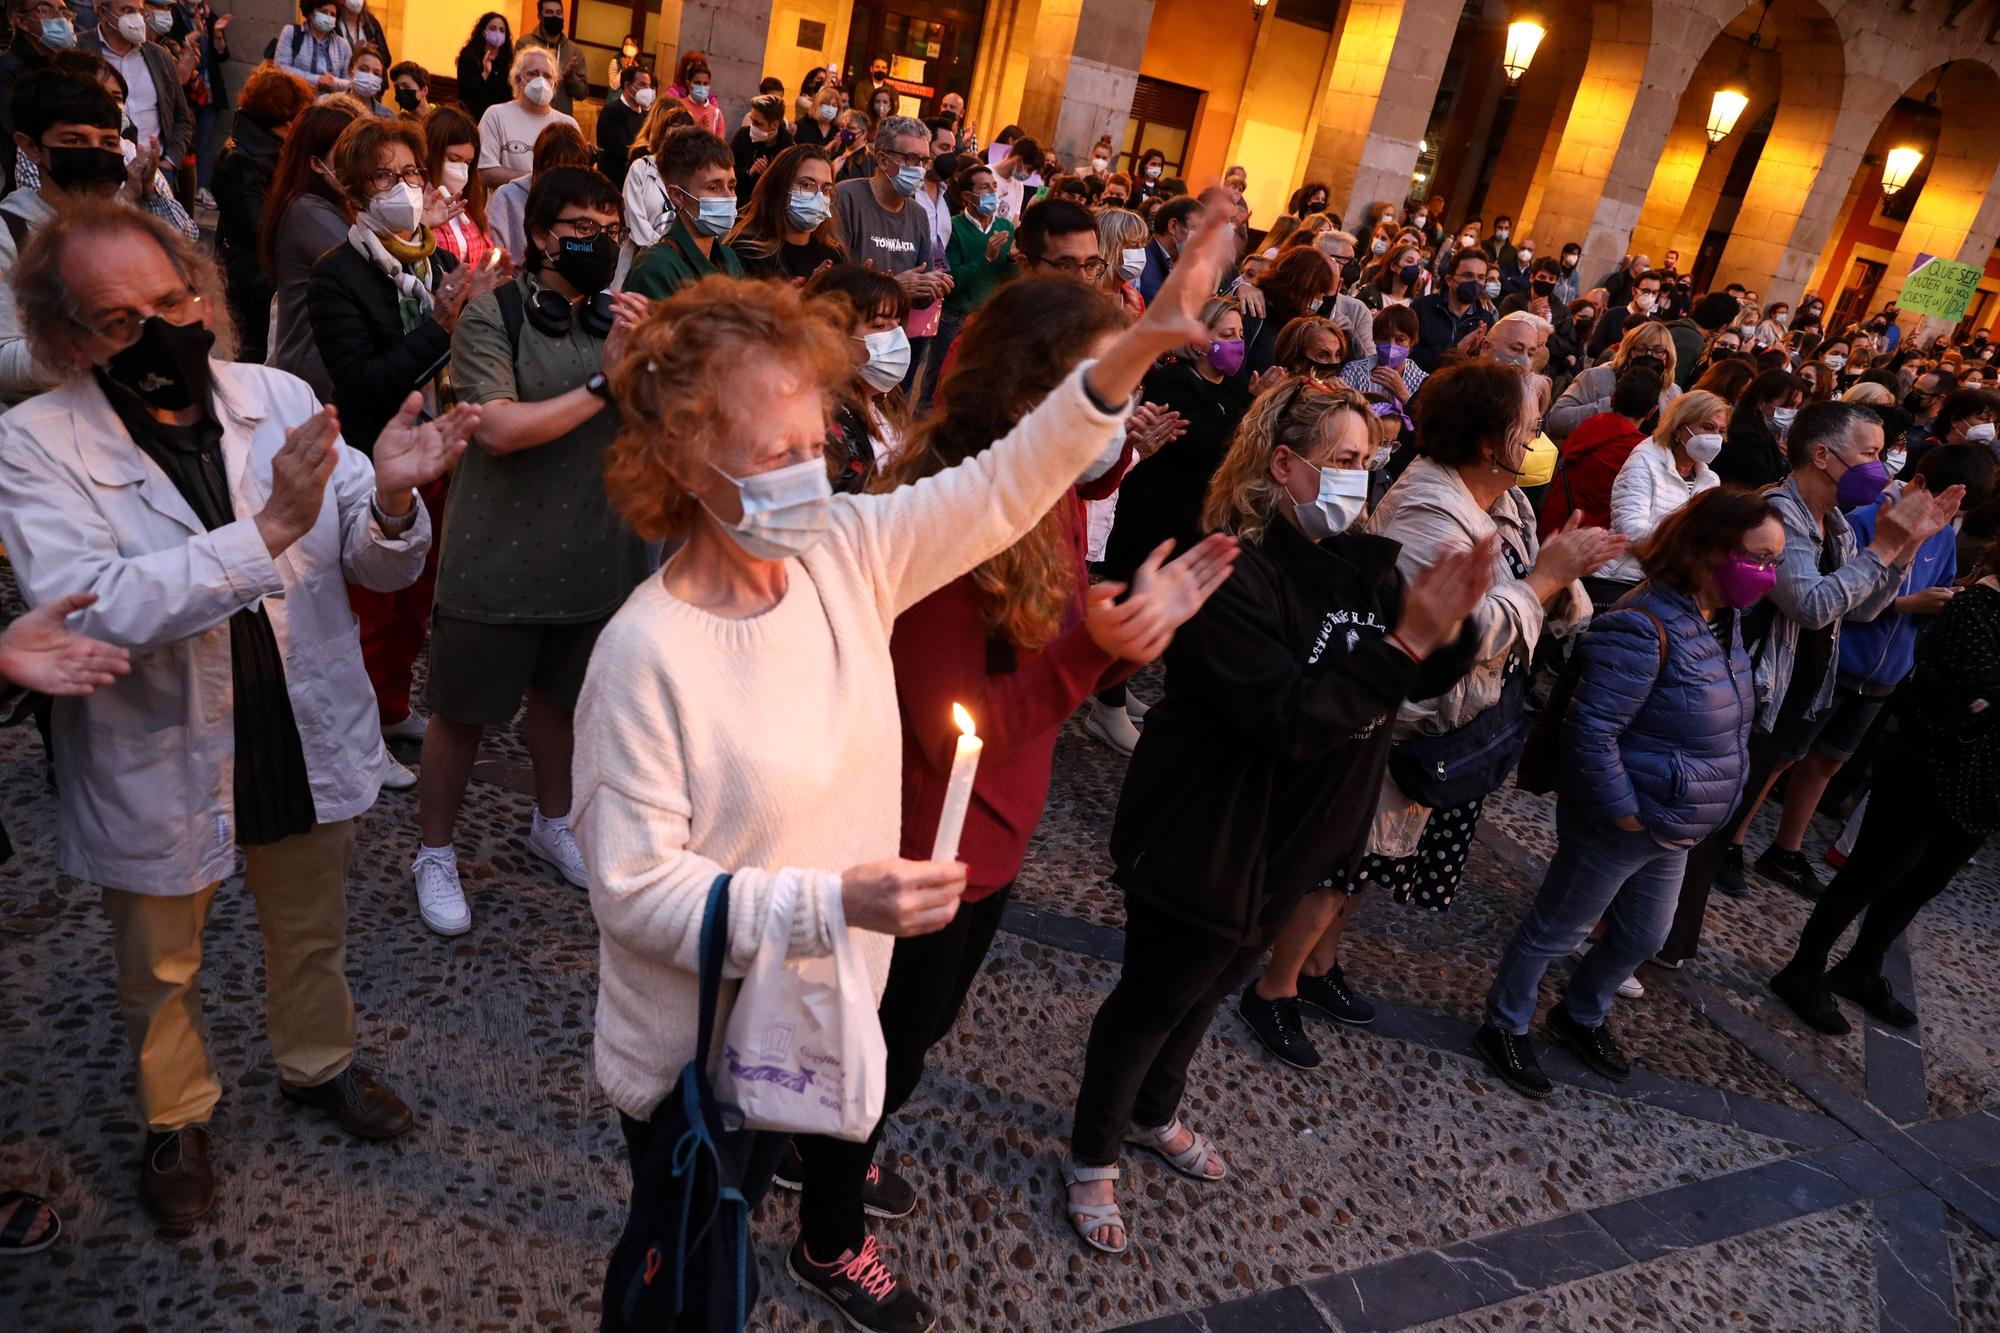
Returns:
(357, 1101)
(176, 1181)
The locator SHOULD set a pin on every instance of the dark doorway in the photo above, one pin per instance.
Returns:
(929, 46)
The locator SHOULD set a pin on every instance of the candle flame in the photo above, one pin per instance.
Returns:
(963, 719)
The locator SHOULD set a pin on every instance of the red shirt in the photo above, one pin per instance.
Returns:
(945, 654)
(1589, 463)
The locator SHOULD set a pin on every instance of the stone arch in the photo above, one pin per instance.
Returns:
(1600, 113)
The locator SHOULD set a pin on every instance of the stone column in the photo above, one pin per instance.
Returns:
(733, 35)
(1378, 98)
(1102, 76)
(1542, 104)
(1687, 182)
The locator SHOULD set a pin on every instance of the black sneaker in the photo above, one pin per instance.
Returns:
(1513, 1059)
(886, 1194)
(1810, 999)
(1277, 1025)
(1729, 874)
(1792, 870)
(1872, 994)
(864, 1291)
(1593, 1046)
(1329, 995)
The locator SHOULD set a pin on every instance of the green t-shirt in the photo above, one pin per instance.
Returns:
(530, 537)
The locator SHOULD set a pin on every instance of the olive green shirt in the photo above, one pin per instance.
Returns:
(530, 537)
(673, 262)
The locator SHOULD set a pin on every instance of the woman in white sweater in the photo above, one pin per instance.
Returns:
(1663, 473)
(740, 711)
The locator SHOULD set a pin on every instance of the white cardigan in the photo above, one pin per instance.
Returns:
(773, 743)
(1647, 489)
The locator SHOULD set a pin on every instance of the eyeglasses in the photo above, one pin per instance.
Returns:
(379, 181)
(121, 327)
(588, 229)
(1093, 268)
(47, 11)
(1760, 562)
(923, 160)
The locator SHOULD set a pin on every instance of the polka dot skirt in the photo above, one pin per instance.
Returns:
(1429, 876)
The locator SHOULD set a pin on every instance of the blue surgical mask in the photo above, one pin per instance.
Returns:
(989, 204)
(699, 93)
(908, 179)
(709, 217)
(808, 209)
(58, 34)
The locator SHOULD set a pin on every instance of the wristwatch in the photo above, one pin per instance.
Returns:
(598, 384)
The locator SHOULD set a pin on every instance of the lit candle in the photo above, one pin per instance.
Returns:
(958, 791)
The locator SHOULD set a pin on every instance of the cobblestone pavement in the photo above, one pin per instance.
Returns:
(1749, 1176)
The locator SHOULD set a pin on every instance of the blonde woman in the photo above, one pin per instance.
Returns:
(1590, 393)
(1254, 778)
(1659, 476)
(1121, 240)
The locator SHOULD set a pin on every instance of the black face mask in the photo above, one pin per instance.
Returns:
(80, 170)
(585, 265)
(167, 367)
(1914, 403)
(1350, 273)
(1409, 273)
(1467, 292)
(552, 28)
(1542, 286)
(406, 98)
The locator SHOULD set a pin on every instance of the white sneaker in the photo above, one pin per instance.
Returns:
(440, 897)
(1136, 709)
(395, 777)
(1631, 989)
(551, 840)
(1113, 726)
(411, 728)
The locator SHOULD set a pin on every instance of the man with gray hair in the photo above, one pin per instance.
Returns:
(883, 226)
(214, 516)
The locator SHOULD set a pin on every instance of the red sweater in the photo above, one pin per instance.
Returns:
(1591, 457)
(945, 654)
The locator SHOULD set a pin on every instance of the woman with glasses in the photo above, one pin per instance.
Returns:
(787, 231)
(1590, 393)
(1654, 750)
(382, 308)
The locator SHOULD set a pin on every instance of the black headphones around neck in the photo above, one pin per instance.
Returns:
(552, 315)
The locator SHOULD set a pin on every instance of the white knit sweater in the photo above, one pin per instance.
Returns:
(705, 744)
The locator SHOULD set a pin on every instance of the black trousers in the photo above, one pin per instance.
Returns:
(929, 977)
(1907, 853)
(1148, 1029)
(1706, 856)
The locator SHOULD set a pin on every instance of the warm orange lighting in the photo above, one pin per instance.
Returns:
(1524, 37)
(963, 719)
(1723, 111)
(1898, 167)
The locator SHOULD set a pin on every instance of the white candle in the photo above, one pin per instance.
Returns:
(957, 791)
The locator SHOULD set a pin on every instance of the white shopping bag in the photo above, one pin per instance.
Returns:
(803, 1050)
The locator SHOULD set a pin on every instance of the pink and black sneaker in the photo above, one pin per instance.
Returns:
(864, 1291)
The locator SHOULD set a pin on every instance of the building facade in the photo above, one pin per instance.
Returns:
(1607, 137)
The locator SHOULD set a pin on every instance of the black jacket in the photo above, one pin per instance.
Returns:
(1439, 330)
(617, 128)
(358, 326)
(242, 180)
(1256, 776)
(1752, 454)
(747, 150)
(475, 90)
(1161, 496)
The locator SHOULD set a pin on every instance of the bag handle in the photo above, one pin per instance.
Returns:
(714, 942)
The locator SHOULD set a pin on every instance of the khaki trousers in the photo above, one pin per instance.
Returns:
(300, 885)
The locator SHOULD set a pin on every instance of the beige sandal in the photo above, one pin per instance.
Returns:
(1191, 1161)
(1089, 1218)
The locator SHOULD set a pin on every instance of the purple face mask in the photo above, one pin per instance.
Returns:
(1226, 357)
(1740, 582)
(1860, 484)
(1392, 355)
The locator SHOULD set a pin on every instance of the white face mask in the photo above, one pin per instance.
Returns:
(1101, 163)
(888, 358)
(132, 27)
(644, 97)
(1983, 432)
(784, 510)
(367, 85)
(1783, 417)
(1131, 263)
(1343, 494)
(539, 91)
(1644, 303)
(1703, 446)
(398, 208)
(161, 20)
(454, 175)
(1835, 362)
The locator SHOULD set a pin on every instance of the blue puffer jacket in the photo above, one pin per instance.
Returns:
(1672, 747)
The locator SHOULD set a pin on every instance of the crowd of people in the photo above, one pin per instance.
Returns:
(730, 452)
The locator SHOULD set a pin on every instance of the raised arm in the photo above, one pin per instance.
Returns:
(921, 537)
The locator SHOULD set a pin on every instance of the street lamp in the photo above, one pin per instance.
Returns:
(1898, 167)
(1524, 36)
(1257, 8)
(1723, 110)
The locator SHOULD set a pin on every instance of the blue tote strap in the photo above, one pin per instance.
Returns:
(714, 944)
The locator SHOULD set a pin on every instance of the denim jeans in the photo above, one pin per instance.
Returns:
(1600, 871)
